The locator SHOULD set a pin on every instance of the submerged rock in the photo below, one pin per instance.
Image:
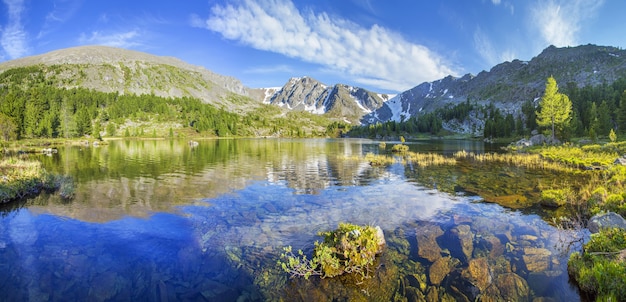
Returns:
(512, 287)
(462, 241)
(606, 220)
(536, 259)
(439, 270)
(478, 272)
(427, 246)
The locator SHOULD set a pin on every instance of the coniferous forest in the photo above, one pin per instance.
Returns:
(595, 111)
(34, 106)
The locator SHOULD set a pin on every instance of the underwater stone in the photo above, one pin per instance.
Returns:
(462, 240)
(427, 246)
(512, 287)
(478, 270)
(439, 270)
(536, 259)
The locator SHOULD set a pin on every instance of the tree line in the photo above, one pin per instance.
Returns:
(593, 112)
(33, 106)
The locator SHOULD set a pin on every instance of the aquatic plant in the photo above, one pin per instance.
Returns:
(599, 269)
(350, 249)
(399, 148)
(429, 159)
(526, 160)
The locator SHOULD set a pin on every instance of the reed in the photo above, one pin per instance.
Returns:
(429, 159)
(525, 160)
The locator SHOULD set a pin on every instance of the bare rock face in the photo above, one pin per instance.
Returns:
(308, 94)
(508, 84)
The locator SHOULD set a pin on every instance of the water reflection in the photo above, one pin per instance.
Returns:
(160, 220)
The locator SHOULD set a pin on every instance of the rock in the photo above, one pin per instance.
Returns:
(414, 295)
(427, 246)
(478, 271)
(543, 282)
(512, 287)
(462, 289)
(536, 259)
(620, 161)
(439, 270)
(380, 239)
(462, 240)
(606, 220)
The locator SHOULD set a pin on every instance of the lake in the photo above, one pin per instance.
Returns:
(164, 220)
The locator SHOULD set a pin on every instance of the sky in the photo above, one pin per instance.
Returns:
(384, 46)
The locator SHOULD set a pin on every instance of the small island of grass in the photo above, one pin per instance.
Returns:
(20, 178)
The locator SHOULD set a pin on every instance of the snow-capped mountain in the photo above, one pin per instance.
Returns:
(342, 101)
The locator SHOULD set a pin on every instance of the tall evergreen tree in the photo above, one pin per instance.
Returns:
(605, 124)
(621, 116)
(555, 107)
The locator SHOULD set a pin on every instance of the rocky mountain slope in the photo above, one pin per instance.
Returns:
(339, 101)
(110, 69)
(509, 84)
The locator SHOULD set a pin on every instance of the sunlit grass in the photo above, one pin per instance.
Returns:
(19, 178)
(525, 160)
(580, 157)
(374, 159)
(429, 159)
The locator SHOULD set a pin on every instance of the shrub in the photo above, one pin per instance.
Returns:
(598, 270)
(554, 198)
(348, 249)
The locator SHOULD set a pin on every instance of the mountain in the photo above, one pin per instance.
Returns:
(109, 69)
(509, 84)
(338, 101)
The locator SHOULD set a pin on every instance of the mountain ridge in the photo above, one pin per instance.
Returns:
(508, 84)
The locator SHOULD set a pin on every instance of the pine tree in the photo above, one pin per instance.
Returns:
(605, 124)
(555, 108)
(621, 116)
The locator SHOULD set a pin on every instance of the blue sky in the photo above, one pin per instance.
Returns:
(384, 46)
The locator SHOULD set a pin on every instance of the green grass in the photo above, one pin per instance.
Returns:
(599, 269)
(20, 178)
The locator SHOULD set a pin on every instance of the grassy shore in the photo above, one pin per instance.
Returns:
(20, 178)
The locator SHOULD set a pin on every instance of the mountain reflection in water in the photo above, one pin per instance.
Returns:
(160, 220)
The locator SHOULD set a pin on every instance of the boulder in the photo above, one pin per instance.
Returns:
(439, 270)
(462, 240)
(512, 287)
(606, 220)
(427, 246)
(621, 161)
(478, 271)
(537, 259)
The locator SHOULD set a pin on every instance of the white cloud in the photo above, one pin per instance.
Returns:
(14, 39)
(126, 39)
(559, 22)
(487, 51)
(368, 54)
(496, 2)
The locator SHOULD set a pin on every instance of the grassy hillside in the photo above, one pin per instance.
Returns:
(36, 103)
